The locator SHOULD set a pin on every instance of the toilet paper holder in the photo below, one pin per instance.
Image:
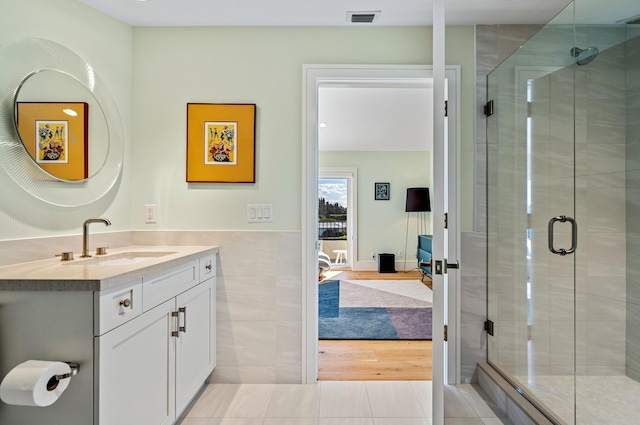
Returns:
(55, 379)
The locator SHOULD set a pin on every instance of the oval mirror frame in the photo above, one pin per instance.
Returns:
(20, 60)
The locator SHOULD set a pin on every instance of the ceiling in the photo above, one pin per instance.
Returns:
(322, 13)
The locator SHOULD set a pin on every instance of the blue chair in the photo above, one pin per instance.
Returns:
(425, 244)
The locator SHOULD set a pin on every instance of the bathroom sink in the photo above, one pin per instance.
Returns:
(122, 259)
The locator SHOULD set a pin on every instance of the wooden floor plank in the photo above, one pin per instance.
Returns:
(365, 360)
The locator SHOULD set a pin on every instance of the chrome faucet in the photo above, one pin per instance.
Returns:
(85, 234)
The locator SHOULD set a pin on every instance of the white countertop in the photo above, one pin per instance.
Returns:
(95, 274)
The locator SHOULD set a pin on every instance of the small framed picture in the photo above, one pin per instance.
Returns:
(382, 192)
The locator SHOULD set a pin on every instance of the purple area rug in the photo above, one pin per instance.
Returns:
(411, 323)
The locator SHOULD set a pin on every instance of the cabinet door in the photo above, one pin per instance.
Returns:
(135, 376)
(195, 346)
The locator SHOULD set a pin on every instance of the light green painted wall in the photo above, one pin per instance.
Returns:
(261, 65)
(382, 225)
(107, 45)
(154, 72)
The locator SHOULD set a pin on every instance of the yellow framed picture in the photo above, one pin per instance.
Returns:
(56, 136)
(221, 142)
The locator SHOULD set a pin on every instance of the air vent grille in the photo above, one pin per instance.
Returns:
(363, 17)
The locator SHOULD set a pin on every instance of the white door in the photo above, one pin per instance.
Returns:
(195, 344)
(136, 370)
(439, 206)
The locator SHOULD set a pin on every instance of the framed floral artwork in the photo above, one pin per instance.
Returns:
(221, 142)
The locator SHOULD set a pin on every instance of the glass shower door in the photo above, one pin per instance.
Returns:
(532, 223)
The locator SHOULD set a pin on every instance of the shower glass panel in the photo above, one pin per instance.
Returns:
(531, 212)
(563, 174)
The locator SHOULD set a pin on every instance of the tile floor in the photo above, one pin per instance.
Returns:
(601, 400)
(338, 403)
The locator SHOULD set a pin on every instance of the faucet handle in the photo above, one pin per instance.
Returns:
(101, 250)
(65, 256)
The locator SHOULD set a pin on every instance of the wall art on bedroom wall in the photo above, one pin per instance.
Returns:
(221, 142)
(382, 191)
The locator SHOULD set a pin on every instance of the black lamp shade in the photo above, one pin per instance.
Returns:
(418, 199)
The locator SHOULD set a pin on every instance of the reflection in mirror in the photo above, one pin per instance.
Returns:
(61, 125)
(37, 76)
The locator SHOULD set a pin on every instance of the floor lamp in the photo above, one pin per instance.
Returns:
(417, 201)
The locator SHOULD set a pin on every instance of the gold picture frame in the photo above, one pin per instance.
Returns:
(56, 136)
(221, 142)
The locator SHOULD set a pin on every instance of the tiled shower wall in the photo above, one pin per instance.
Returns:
(601, 204)
(633, 204)
(494, 43)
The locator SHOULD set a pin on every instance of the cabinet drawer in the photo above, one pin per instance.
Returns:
(207, 267)
(117, 306)
(160, 287)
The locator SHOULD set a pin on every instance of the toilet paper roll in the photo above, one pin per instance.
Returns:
(28, 384)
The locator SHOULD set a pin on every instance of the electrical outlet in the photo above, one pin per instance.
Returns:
(373, 255)
(401, 253)
(150, 213)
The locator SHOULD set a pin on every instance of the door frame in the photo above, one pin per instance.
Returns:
(351, 175)
(312, 76)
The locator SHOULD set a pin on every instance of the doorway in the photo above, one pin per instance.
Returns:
(337, 226)
(313, 77)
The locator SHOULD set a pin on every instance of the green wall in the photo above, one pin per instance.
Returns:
(382, 225)
(107, 45)
(261, 65)
(154, 72)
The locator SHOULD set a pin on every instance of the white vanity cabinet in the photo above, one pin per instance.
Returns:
(150, 367)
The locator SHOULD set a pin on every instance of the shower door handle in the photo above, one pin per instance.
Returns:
(574, 235)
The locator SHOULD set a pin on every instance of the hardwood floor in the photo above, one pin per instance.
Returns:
(337, 274)
(363, 360)
(374, 360)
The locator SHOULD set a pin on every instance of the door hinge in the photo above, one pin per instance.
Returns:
(446, 108)
(529, 115)
(446, 220)
(446, 332)
(488, 326)
(488, 108)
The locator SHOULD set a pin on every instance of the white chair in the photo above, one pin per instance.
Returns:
(324, 264)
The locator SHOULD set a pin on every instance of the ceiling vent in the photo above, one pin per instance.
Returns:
(363, 17)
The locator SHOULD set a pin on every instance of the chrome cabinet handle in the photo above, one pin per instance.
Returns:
(574, 235)
(208, 267)
(125, 303)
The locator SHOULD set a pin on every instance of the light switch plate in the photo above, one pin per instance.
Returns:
(259, 213)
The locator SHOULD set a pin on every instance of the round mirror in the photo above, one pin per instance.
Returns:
(61, 137)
